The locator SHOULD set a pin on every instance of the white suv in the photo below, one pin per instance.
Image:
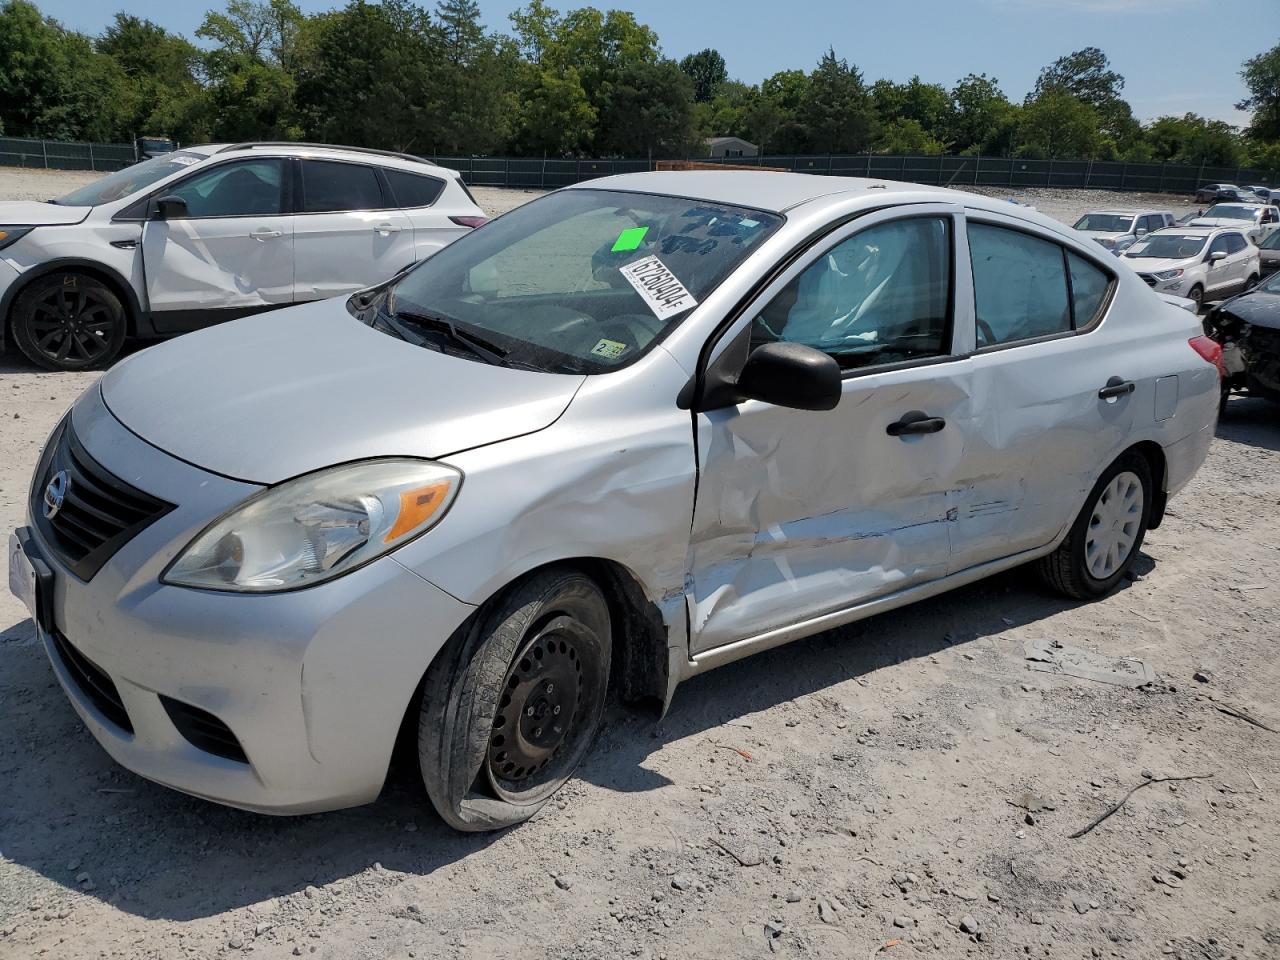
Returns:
(1199, 263)
(1117, 230)
(211, 233)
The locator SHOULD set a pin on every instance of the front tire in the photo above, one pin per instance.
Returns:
(1196, 293)
(512, 703)
(1107, 534)
(68, 321)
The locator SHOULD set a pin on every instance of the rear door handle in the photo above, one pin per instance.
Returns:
(385, 228)
(1116, 388)
(264, 233)
(915, 422)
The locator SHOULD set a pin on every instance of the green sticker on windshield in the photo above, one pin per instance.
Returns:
(629, 239)
(609, 349)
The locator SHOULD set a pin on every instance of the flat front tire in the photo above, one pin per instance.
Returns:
(1107, 534)
(512, 703)
(68, 321)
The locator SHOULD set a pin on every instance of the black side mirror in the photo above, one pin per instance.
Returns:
(170, 208)
(791, 375)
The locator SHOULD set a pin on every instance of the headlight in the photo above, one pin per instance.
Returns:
(9, 234)
(1168, 274)
(317, 527)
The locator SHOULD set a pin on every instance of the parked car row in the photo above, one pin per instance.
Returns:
(624, 434)
(1230, 193)
(1197, 262)
(209, 233)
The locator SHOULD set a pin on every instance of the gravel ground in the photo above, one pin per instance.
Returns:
(859, 793)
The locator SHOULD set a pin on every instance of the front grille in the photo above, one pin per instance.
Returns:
(203, 730)
(92, 682)
(99, 512)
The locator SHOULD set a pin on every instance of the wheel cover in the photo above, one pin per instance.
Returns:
(550, 697)
(71, 325)
(1114, 525)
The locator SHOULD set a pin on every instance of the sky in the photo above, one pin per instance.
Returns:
(1177, 56)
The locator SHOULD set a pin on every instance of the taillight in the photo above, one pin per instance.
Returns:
(471, 222)
(1210, 350)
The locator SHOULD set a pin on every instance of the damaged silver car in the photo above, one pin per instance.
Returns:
(1248, 329)
(626, 433)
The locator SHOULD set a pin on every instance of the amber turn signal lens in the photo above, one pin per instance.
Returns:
(416, 507)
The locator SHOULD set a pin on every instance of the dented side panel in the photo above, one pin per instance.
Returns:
(801, 513)
(235, 262)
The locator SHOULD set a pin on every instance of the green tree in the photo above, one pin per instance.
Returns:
(650, 111)
(368, 79)
(928, 104)
(982, 115)
(474, 76)
(53, 84)
(165, 94)
(837, 111)
(707, 71)
(726, 114)
(1261, 74)
(1087, 75)
(1193, 139)
(556, 118)
(905, 135)
(1058, 125)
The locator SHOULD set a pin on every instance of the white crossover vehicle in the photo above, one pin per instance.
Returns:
(1257, 220)
(1199, 263)
(628, 432)
(1117, 230)
(210, 233)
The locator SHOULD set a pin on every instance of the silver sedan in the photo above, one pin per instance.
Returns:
(624, 434)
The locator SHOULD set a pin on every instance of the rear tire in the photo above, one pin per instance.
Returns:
(68, 321)
(512, 703)
(1107, 534)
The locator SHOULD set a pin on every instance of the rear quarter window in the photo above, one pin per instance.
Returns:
(412, 189)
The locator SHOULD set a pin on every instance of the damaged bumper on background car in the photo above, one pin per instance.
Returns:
(1250, 339)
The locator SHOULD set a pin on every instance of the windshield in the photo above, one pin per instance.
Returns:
(1105, 222)
(578, 281)
(1167, 246)
(116, 186)
(1231, 211)
(1272, 241)
(1272, 284)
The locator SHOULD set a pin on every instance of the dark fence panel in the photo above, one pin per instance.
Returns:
(64, 155)
(548, 173)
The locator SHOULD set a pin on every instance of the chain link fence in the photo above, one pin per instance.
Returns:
(549, 173)
(65, 155)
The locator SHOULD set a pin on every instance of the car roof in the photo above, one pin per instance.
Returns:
(384, 158)
(1127, 211)
(1194, 231)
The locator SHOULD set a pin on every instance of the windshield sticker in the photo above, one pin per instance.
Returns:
(629, 239)
(609, 349)
(749, 223)
(658, 286)
(186, 161)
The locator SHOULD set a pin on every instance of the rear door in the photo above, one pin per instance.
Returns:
(1040, 431)
(349, 233)
(421, 197)
(233, 252)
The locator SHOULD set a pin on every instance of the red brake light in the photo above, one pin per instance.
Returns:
(471, 222)
(1210, 351)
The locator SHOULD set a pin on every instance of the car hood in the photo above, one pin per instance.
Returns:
(1259, 309)
(1223, 222)
(283, 393)
(33, 213)
(1155, 265)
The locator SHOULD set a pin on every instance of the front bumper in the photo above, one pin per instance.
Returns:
(313, 684)
(8, 283)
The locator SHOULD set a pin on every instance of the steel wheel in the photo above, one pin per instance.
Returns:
(556, 682)
(1114, 526)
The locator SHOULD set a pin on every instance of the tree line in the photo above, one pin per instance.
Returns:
(583, 82)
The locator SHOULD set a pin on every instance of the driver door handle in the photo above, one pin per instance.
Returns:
(1116, 388)
(913, 423)
(386, 228)
(264, 233)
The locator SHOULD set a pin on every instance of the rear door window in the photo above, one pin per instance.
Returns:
(1019, 285)
(1089, 288)
(413, 190)
(330, 187)
(1235, 243)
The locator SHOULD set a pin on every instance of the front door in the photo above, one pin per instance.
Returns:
(349, 233)
(802, 513)
(231, 254)
(1219, 274)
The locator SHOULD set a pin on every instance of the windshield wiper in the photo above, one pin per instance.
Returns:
(477, 345)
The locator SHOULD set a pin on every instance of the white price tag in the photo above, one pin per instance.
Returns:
(659, 287)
